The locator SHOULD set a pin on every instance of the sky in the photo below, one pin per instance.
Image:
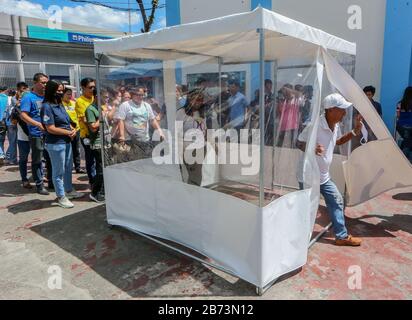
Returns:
(86, 14)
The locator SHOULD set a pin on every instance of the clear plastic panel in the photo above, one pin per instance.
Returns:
(295, 94)
(195, 119)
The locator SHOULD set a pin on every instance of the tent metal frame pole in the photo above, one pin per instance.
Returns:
(219, 61)
(352, 73)
(99, 104)
(320, 235)
(262, 116)
(353, 64)
(274, 107)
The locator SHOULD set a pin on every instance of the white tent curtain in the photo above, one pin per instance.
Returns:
(377, 166)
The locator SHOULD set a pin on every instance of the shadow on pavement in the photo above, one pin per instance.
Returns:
(38, 204)
(362, 229)
(31, 205)
(394, 223)
(135, 265)
(403, 196)
(12, 169)
(14, 189)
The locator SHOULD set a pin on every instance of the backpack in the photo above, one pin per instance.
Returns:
(15, 115)
(3, 127)
(3, 124)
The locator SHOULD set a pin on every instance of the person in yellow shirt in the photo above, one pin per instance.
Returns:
(82, 103)
(70, 106)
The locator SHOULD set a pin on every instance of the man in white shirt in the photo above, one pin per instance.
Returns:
(327, 138)
(135, 118)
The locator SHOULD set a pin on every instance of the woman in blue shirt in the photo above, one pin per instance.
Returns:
(58, 137)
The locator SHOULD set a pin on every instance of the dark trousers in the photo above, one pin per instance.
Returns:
(90, 161)
(37, 147)
(98, 180)
(24, 151)
(49, 169)
(76, 151)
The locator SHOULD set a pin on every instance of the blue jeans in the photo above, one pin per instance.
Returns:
(24, 150)
(62, 162)
(2, 139)
(334, 204)
(11, 153)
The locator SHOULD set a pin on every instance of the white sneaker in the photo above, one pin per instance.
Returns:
(65, 203)
(74, 194)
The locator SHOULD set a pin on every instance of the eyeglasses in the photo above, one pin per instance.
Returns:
(92, 87)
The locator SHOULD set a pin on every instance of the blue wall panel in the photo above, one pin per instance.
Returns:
(173, 19)
(397, 68)
(255, 66)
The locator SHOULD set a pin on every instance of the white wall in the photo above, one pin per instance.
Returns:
(5, 24)
(329, 15)
(197, 10)
(332, 16)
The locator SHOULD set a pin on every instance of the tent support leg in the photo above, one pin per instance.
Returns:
(320, 235)
(97, 59)
(260, 291)
(219, 61)
(262, 117)
(273, 115)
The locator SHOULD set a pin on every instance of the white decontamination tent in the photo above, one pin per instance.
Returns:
(249, 219)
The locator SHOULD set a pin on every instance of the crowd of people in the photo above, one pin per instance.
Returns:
(285, 113)
(48, 122)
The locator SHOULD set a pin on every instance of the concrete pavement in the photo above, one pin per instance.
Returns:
(99, 263)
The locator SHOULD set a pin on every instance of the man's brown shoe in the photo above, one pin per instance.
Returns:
(349, 241)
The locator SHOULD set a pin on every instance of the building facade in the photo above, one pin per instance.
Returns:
(381, 29)
(36, 47)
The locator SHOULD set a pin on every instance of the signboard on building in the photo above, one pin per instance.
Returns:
(43, 33)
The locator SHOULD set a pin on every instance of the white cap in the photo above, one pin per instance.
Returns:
(336, 100)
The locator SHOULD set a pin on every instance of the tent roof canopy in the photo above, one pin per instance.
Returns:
(233, 39)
